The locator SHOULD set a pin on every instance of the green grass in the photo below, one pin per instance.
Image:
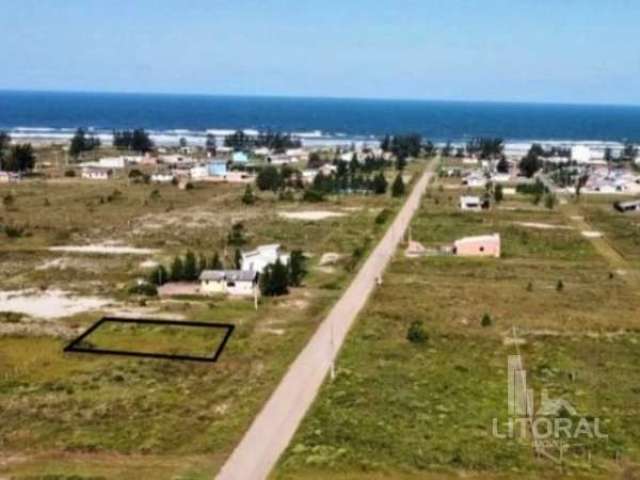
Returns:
(75, 414)
(399, 410)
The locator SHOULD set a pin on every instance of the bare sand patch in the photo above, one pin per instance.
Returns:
(312, 215)
(592, 234)
(329, 258)
(49, 304)
(543, 226)
(104, 249)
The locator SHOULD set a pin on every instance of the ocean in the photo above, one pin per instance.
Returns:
(45, 114)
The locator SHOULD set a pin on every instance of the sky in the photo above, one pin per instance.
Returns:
(566, 51)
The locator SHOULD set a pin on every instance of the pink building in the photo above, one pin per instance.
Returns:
(481, 246)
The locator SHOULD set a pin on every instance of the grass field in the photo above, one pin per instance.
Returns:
(403, 410)
(108, 417)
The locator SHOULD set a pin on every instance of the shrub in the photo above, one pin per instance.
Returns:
(486, 320)
(416, 332)
(313, 196)
(70, 173)
(383, 216)
(248, 198)
(146, 289)
(559, 286)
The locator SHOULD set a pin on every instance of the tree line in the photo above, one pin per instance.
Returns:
(81, 142)
(15, 158)
(278, 142)
(137, 140)
(275, 280)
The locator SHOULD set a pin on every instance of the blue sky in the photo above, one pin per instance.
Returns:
(583, 51)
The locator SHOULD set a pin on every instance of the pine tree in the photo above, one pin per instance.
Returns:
(190, 268)
(248, 198)
(297, 268)
(380, 184)
(275, 280)
(202, 264)
(215, 263)
(397, 189)
(177, 269)
(238, 259)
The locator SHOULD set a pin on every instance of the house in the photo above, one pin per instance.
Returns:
(177, 160)
(469, 203)
(217, 168)
(9, 177)
(327, 169)
(119, 162)
(228, 282)
(624, 207)
(239, 157)
(581, 154)
(475, 180)
(480, 246)
(281, 159)
(95, 173)
(257, 260)
(162, 177)
(261, 152)
(199, 172)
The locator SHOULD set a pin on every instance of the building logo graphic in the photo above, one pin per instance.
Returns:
(552, 427)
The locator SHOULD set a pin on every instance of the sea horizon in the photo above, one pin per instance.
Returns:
(318, 117)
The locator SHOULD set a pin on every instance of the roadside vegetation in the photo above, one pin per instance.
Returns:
(424, 371)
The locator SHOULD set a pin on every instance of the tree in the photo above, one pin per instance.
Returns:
(159, 276)
(380, 184)
(5, 142)
(550, 201)
(140, 141)
(269, 178)
(190, 267)
(486, 320)
(416, 332)
(498, 194)
(559, 286)
(530, 164)
(82, 143)
(385, 144)
(315, 160)
(21, 159)
(183, 142)
(401, 163)
(237, 259)
(248, 198)
(215, 263)
(502, 166)
(177, 270)
(398, 189)
(297, 268)
(275, 280)
(211, 144)
(236, 236)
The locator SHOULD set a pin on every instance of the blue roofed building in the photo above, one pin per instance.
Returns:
(217, 168)
(239, 157)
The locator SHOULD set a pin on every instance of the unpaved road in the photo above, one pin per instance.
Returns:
(274, 427)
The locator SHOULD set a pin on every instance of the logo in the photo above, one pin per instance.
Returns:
(552, 427)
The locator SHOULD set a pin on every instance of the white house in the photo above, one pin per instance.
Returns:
(581, 154)
(199, 172)
(162, 178)
(9, 177)
(118, 162)
(93, 173)
(470, 203)
(228, 282)
(475, 180)
(257, 260)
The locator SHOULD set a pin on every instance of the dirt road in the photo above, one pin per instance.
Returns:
(275, 425)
